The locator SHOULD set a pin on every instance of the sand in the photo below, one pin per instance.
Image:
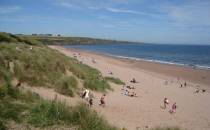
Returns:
(155, 81)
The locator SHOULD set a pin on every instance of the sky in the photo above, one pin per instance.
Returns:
(151, 21)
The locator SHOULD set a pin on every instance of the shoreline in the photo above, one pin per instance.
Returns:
(192, 66)
(198, 76)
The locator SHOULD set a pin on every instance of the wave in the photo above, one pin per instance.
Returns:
(160, 61)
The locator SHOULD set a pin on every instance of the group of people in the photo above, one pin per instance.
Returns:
(85, 95)
(126, 92)
(173, 107)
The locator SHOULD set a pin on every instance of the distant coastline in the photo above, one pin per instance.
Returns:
(49, 39)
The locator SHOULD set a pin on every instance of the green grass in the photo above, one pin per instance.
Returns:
(29, 108)
(115, 80)
(43, 66)
(10, 38)
(97, 84)
(48, 113)
(66, 85)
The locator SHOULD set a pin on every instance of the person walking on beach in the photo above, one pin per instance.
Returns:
(185, 84)
(90, 102)
(102, 100)
(173, 109)
(166, 102)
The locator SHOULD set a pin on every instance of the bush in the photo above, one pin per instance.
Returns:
(89, 120)
(66, 84)
(2, 126)
(115, 80)
(96, 84)
(11, 110)
(48, 113)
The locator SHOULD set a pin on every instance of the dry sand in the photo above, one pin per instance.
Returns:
(155, 81)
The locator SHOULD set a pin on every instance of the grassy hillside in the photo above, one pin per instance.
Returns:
(54, 40)
(39, 65)
(29, 111)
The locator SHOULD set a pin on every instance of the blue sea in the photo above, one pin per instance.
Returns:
(195, 56)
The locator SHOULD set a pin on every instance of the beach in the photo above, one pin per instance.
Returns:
(155, 81)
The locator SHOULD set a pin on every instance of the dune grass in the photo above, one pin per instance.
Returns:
(66, 85)
(29, 108)
(41, 66)
(114, 80)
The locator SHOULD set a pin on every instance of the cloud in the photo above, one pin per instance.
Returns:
(65, 4)
(190, 14)
(116, 10)
(9, 9)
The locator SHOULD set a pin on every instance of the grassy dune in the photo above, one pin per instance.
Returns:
(29, 108)
(39, 65)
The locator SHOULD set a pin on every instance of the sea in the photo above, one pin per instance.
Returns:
(195, 56)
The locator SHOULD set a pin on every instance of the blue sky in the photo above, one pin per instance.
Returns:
(153, 21)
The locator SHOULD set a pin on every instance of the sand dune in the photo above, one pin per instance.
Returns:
(155, 81)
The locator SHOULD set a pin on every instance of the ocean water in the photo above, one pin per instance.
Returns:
(195, 56)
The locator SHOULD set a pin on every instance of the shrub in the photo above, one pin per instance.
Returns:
(89, 120)
(66, 84)
(2, 125)
(48, 113)
(97, 84)
(115, 80)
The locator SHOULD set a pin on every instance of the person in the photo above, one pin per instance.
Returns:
(102, 100)
(129, 87)
(126, 92)
(173, 108)
(166, 102)
(133, 80)
(90, 102)
(87, 94)
(84, 93)
(185, 84)
(133, 94)
(181, 85)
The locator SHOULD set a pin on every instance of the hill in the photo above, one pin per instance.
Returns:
(60, 40)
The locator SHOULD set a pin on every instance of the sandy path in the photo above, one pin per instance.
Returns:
(145, 110)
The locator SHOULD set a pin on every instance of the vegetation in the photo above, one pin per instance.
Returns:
(10, 38)
(115, 80)
(66, 85)
(59, 40)
(29, 108)
(41, 66)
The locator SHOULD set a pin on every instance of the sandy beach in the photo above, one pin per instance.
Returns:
(154, 82)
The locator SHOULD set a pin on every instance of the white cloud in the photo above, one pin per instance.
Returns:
(190, 14)
(9, 9)
(65, 4)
